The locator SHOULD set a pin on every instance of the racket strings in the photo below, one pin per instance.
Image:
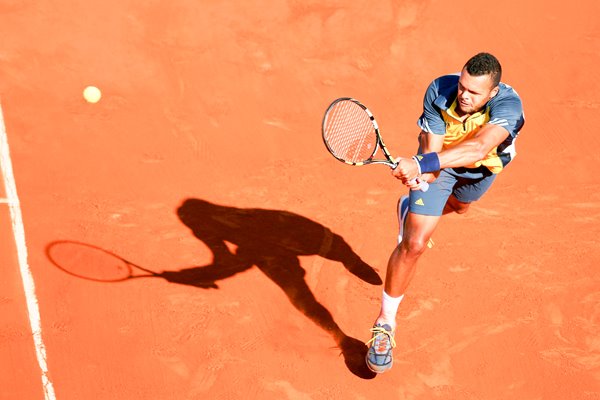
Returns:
(350, 132)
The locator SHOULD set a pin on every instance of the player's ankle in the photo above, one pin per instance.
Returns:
(381, 321)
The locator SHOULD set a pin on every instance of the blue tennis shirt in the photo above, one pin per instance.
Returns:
(439, 117)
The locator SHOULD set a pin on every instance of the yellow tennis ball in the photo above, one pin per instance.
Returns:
(92, 94)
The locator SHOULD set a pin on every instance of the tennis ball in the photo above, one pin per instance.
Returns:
(92, 94)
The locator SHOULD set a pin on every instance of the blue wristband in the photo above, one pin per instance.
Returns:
(429, 162)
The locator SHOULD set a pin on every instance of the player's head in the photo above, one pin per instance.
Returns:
(485, 64)
(478, 82)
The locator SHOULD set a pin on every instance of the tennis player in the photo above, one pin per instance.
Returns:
(468, 127)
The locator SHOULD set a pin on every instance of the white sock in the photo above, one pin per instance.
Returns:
(389, 309)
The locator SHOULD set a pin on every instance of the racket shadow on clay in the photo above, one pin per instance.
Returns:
(86, 261)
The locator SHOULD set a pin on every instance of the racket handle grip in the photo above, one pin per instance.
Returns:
(424, 186)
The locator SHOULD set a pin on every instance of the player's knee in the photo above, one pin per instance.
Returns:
(414, 246)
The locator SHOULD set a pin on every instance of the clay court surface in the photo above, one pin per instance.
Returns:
(204, 159)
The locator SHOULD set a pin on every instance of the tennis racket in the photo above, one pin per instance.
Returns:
(351, 135)
(93, 263)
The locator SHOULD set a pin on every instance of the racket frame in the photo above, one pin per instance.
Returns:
(389, 161)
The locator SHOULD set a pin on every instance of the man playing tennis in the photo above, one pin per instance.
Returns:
(468, 127)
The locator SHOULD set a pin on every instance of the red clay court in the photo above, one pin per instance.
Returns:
(204, 160)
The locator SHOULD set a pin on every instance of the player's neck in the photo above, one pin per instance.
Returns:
(461, 114)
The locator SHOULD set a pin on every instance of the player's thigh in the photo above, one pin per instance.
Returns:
(432, 202)
(419, 229)
(471, 187)
(454, 205)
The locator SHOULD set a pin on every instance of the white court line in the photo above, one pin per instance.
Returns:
(19, 234)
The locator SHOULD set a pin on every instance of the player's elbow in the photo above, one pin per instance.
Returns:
(480, 155)
(479, 151)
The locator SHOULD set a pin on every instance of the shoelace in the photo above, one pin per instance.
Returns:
(378, 330)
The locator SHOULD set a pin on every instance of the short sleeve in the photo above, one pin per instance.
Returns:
(431, 120)
(506, 110)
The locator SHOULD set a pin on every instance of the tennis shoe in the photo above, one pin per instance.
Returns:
(379, 356)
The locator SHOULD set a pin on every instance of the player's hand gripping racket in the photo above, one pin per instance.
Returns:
(351, 135)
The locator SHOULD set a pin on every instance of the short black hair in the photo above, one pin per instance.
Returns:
(485, 64)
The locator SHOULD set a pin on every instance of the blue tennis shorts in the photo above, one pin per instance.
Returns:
(466, 184)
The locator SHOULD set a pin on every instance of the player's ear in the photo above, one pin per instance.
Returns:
(494, 92)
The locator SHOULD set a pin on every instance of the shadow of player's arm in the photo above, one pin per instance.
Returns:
(225, 265)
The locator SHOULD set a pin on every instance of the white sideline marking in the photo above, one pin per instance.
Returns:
(19, 234)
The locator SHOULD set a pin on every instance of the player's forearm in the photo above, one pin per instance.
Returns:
(467, 153)
(464, 154)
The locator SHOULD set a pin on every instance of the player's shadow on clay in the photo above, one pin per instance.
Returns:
(272, 241)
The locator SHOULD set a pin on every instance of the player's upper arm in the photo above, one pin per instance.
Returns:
(430, 142)
(489, 137)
